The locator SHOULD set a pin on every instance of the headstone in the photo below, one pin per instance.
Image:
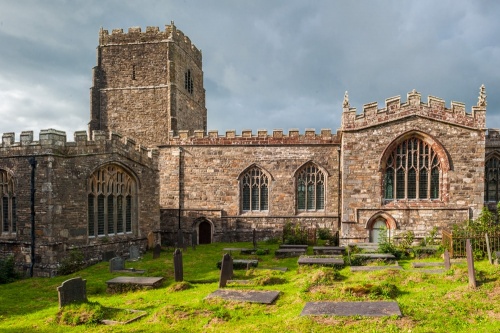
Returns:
(72, 291)
(447, 263)
(194, 239)
(108, 255)
(226, 271)
(151, 240)
(116, 264)
(488, 248)
(134, 252)
(254, 238)
(178, 269)
(470, 264)
(156, 251)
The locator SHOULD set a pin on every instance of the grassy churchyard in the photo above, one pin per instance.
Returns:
(429, 302)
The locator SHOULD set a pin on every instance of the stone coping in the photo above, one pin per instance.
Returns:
(366, 309)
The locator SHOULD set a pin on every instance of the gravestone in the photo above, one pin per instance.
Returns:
(251, 296)
(151, 240)
(178, 269)
(194, 239)
(447, 263)
(254, 238)
(72, 291)
(108, 255)
(470, 264)
(226, 271)
(365, 309)
(156, 251)
(116, 264)
(134, 253)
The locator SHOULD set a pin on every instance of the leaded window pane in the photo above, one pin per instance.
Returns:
(310, 188)
(246, 197)
(422, 185)
(255, 198)
(264, 197)
(119, 214)
(14, 214)
(412, 184)
(128, 215)
(301, 195)
(91, 218)
(111, 215)
(5, 214)
(389, 184)
(492, 184)
(254, 190)
(100, 215)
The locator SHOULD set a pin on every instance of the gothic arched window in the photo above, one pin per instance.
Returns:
(8, 203)
(310, 188)
(254, 190)
(112, 207)
(412, 172)
(492, 171)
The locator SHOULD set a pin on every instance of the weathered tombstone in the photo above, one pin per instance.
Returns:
(470, 264)
(108, 255)
(156, 251)
(194, 239)
(134, 252)
(488, 248)
(151, 240)
(226, 270)
(447, 263)
(72, 291)
(116, 264)
(254, 238)
(178, 269)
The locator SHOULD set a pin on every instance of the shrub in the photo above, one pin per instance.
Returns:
(294, 234)
(72, 263)
(7, 271)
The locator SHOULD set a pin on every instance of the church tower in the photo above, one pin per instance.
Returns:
(147, 85)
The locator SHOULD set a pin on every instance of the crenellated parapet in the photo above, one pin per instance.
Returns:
(434, 109)
(54, 142)
(247, 137)
(135, 35)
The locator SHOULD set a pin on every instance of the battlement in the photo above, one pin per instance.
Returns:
(434, 108)
(247, 137)
(151, 35)
(54, 141)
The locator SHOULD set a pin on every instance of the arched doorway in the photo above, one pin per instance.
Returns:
(378, 226)
(204, 232)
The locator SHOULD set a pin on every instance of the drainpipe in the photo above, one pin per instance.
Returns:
(33, 164)
(180, 187)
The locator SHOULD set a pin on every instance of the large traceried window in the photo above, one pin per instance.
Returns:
(111, 202)
(492, 185)
(412, 172)
(8, 203)
(310, 188)
(254, 190)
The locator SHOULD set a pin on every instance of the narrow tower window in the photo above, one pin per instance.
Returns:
(188, 81)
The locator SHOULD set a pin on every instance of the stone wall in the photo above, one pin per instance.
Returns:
(210, 168)
(61, 184)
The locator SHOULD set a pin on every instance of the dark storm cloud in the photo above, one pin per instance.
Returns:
(267, 64)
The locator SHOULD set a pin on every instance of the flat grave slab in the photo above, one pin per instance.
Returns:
(430, 271)
(293, 246)
(366, 309)
(293, 252)
(234, 249)
(328, 249)
(375, 255)
(324, 261)
(427, 264)
(252, 296)
(242, 263)
(137, 282)
(373, 268)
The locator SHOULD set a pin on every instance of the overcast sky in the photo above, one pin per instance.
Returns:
(267, 64)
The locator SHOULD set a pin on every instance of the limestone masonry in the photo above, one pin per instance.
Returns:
(147, 167)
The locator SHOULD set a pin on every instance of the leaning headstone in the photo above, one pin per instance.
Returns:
(108, 255)
(116, 264)
(194, 239)
(447, 263)
(470, 264)
(134, 252)
(226, 270)
(156, 251)
(254, 238)
(72, 291)
(151, 240)
(178, 269)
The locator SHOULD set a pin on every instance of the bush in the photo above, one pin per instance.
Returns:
(72, 263)
(7, 271)
(294, 234)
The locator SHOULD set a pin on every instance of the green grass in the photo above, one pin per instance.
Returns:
(429, 302)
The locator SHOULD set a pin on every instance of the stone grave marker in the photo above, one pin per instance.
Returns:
(470, 264)
(447, 263)
(72, 291)
(116, 264)
(194, 239)
(366, 309)
(178, 269)
(226, 271)
(254, 238)
(488, 248)
(134, 253)
(156, 251)
(108, 255)
(252, 296)
(151, 240)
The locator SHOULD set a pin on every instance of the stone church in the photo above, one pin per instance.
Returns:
(147, 167)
